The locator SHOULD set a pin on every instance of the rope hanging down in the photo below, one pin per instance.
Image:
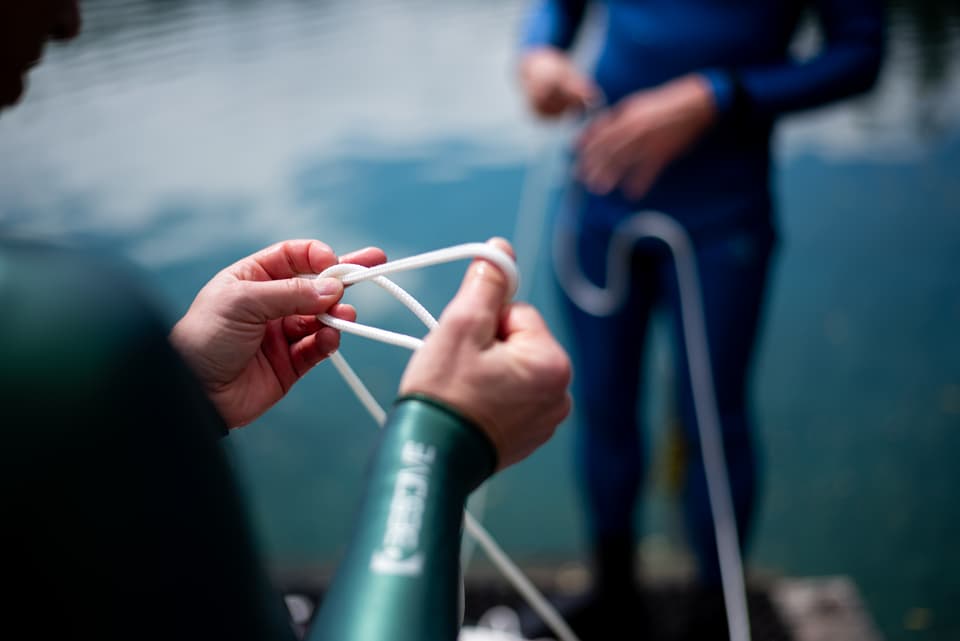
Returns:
(603, 301)
(351, 274)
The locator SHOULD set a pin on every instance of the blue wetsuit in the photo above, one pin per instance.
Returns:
(719, 190)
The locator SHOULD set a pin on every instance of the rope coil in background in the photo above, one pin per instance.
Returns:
(602, 301)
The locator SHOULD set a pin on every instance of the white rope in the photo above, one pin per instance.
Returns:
(351, 274)
(603, 301)
(599, 302)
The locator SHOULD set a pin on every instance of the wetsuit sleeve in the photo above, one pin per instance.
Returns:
(399, 579)
(121, 517)
(552, 23)
(847, 65)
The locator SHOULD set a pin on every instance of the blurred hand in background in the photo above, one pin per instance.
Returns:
(630, 143)
(627, 145)
(553, 85)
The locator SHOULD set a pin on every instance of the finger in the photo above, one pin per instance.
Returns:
(608, 156)
(481, 296)
(603, 135)
(312, 349)
(550, 109)
(368, 257)
(524, 330)
(521, 317)
(285, 260)
(640, 178)
(548, 100)
(581, 89)
(605, 175)
(592, 130)
(549, 105)
(343, 311)
(275, 299)
(276, 349)
(299, 325)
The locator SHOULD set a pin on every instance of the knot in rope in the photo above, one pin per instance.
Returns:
(351, 274)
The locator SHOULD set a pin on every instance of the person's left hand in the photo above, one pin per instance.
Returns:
(630, 144)
(252, 331)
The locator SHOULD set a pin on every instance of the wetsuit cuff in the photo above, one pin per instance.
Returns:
(399, 579)
(721, 84)
(734, 105)
(470, 450)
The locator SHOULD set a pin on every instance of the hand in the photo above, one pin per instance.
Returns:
(631, 143)
(497, 363)
(553, 84)
(252, 331)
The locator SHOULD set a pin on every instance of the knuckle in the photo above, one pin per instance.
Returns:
(457, 320)
(298, 286)
(489, 272)
(553, 369)
(302, 325)
(566, 407)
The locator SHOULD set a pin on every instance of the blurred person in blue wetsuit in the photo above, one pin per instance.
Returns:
(692, 89)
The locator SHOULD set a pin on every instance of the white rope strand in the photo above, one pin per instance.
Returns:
(519, 580)
(350, 274)
(603, 301)
(358, 387)
(436, 257)
(374, 333)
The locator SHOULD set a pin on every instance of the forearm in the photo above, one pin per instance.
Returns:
(552, 23)
(847, 65)
(399, 577)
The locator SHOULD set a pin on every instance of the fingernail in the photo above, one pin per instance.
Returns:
(327, 286)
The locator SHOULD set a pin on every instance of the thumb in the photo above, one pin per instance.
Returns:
(273, 299)
(482, 295)
(581, 88)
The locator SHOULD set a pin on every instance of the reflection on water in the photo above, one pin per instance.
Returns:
(933, 26)
(185, 134)
(916, 102)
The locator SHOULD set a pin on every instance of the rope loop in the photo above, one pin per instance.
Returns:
(351, 274)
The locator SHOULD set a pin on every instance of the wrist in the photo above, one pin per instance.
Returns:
(720, 86)
(179, 339)
(540, 51)
(700, 98)
(471, 450)
(730, 96)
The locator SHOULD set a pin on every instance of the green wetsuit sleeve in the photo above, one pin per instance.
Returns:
(399, 579)
(118, 501)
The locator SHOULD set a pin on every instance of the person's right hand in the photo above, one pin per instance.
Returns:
(497, 363)
(552, 83)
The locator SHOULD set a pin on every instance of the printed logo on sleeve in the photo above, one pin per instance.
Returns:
(399, 553)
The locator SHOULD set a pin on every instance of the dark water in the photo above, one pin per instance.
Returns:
(184, 135)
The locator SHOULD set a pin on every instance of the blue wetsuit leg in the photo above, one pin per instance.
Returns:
(607, 354)
(733, 269)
